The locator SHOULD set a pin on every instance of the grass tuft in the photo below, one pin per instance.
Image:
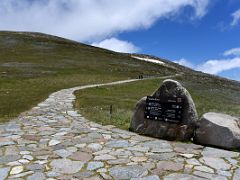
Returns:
(33, 65)
(95, 103)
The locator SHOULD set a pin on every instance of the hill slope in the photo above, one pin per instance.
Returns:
(32, 65)
(208, 95)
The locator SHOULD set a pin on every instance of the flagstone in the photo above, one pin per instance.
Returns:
(4, 172)
(16, 170)
(53, 141)
(66, 166)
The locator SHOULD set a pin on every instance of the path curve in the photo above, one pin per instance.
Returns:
(52, 141)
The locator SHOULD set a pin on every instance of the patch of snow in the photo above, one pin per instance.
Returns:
(149, 60)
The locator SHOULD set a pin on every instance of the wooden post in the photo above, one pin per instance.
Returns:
(110, 110)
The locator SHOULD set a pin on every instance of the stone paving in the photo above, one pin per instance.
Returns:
(52, 141)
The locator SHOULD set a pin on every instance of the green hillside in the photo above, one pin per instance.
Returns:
(33, 65)
(208, 95)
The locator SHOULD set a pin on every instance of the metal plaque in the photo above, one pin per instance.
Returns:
(168, 110)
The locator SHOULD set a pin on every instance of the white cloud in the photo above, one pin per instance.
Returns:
(90, 20)
(218, 66)
(184, 62)
(201, 7)
(236, 18)
(234, 52)
(117, 45)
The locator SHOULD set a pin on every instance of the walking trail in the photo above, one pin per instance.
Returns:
(52, 141)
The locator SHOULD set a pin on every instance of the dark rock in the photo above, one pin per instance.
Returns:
(165, 130)
(218, 130)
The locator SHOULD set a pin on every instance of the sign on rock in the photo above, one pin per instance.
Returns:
(168, 110)
(169, 113)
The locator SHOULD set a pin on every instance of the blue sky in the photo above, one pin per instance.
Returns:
(201, 34)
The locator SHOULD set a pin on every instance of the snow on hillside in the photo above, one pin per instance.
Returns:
(149, 60)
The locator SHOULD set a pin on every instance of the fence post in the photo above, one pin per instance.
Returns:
(110, 110)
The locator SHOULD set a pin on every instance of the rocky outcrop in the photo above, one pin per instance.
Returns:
(218, 130)
(182, 131)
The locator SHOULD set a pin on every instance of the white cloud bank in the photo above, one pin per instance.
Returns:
(233, 52)
(236, 18)
(217, 66)
(184, 62)
(91, 20)
(117, 45)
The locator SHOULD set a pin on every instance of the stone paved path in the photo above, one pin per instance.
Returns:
(52, 141)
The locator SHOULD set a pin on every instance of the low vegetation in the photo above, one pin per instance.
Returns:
(208, 96)
(33, 65)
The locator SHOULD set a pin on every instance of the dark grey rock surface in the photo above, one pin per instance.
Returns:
(218, 130)
(166, 130)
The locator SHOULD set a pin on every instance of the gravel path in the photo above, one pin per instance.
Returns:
(52, 141)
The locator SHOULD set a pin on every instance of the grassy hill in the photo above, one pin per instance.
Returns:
(209, 94)
(33, 65)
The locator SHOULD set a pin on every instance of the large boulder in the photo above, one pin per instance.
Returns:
(182, 131)
(218, 130)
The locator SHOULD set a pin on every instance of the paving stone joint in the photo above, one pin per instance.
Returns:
(53, 141)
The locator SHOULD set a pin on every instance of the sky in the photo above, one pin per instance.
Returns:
(201, 34)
